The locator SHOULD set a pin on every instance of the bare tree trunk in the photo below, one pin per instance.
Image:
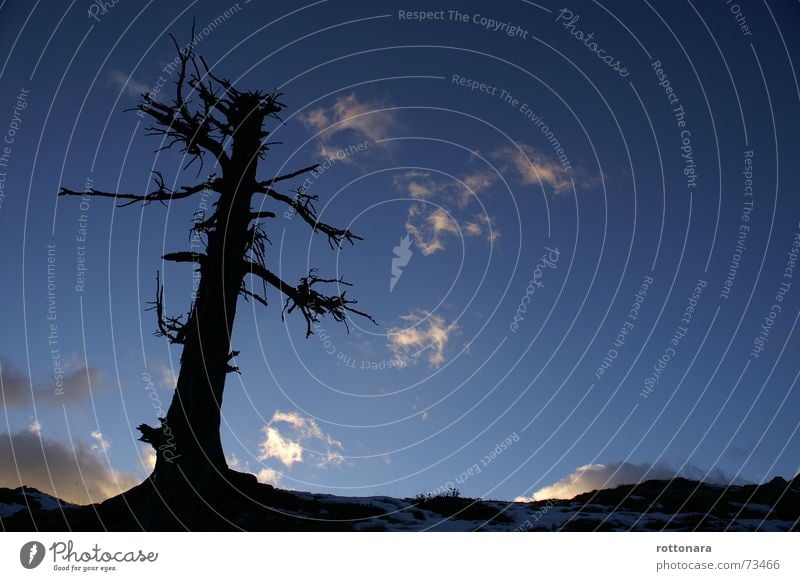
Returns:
(190, 458)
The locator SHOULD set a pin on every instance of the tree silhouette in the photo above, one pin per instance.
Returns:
(211, 117)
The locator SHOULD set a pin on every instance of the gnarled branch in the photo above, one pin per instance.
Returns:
(255, 296)
(170, 327)
(196, 131)
(185, 256)
(261, 214)
(153, 436)
(303, 204)
(232, 368)
(288, 176)
(161, 194)
(311, 303)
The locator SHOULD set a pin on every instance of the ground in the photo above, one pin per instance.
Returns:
(655, 505)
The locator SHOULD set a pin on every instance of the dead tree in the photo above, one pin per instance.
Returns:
(210, 118)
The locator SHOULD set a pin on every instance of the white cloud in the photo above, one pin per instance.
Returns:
(275, 445)
(479, 181)
(268, 476)
(289, 447)
(332, 457)
(233, 461)
(426, 334)
(148, 459)
(598, 476)
(534, 167)
(331, 153)
(440, 215)
(483, 225)
(430, 228)
(125, 82)
(300, 433)
(476, 184)
(419, 190)
(80, 474)
(102, 443)
(306, 427)
(165, 376)
(460, 191)
(473, 229)
(348, 113)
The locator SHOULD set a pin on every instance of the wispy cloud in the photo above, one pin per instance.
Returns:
(290, 445)
(148, 458)
(125, 82)
(102, 444)
(424, 334)
(165, 376)
(458, 192)
(362, 120)
(475, 185)
(430, 227)
(81, 474)
(440, 215)
(72, 386)
(482, 225)
(307, 428)
(534, 167)
(268, 476)
(416, 183)
(275, 445)
(598, 476)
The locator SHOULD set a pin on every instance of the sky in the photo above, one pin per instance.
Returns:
(580, 227)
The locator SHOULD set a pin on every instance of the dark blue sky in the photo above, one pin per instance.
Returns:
(574, 204)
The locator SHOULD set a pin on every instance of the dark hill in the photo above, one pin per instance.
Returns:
(654, 505)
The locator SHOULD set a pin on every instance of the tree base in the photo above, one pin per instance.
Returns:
(235, 502)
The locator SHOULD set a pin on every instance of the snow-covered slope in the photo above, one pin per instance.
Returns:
(651, 506)
(27, 499)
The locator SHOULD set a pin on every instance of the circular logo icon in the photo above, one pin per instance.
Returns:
(31, 554)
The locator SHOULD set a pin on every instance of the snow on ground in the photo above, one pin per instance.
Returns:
(46, 502)
(7, 510)
(24, 498)
(404, 515)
